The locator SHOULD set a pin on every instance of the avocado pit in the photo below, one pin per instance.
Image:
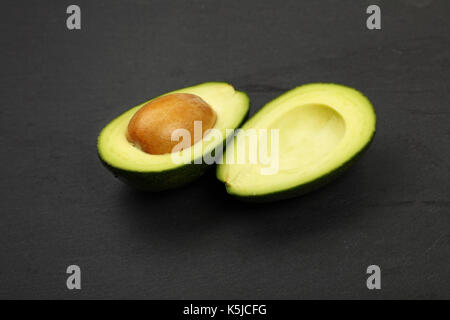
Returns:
(151, 127)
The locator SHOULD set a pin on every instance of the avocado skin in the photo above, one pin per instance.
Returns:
(167, 179)
(307, 187)
(158, 181)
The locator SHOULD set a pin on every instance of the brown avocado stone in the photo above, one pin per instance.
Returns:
(150, 129)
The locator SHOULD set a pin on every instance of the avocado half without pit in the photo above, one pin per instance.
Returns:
(323, 128)
(137, 146)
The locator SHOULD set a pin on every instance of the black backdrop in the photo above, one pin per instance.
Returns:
(59, 207)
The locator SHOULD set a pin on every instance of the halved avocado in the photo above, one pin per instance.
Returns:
(323, 128)
(155, 172)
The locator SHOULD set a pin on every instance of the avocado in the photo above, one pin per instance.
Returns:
(157, 171)
(322, 130)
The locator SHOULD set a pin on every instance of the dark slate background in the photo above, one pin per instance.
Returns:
(59, 206)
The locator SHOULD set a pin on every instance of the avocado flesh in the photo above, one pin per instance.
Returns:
(322, 129)
(152, 172)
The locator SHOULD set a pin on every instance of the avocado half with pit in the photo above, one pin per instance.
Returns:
(147, 166)
(322, 129)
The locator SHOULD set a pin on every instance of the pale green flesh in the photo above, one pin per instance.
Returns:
(321, 126)
(230, 107)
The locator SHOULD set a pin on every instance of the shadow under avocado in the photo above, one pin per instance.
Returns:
(183, 217)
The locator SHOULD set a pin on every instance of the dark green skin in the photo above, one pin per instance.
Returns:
(159, 181)
(308, 187)
(162, 180)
